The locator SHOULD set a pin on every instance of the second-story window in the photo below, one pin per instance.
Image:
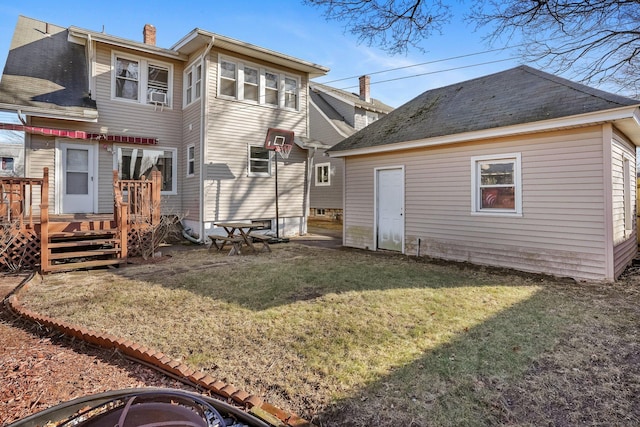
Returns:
(193, 83)
(141, 80)
(228, 76)
(249, 82)
(127, 76)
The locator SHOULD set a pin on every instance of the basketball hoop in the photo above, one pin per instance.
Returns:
(284, 150)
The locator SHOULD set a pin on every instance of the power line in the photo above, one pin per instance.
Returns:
(468, 55)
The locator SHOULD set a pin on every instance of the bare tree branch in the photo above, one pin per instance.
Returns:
(393, 25)
(597, 40)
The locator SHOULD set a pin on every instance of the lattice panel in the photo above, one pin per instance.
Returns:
(23, 253)
(138, 239)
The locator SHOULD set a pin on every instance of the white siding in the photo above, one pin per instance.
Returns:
(561, 231)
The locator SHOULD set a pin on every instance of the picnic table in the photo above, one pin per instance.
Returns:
(238, 235)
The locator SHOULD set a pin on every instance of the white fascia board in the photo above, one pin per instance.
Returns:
(618, 114)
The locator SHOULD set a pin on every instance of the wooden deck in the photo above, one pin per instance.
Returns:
(33, 238)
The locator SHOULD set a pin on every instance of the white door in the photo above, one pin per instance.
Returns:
(77, 178)
(390, 209)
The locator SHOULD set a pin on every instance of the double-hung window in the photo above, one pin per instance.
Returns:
(141, 80)
(259, 161)
(496, 184)
(191, 160)
(228, 78)
(322, 174)
(252, 83)
(136, 163)
(193, 83)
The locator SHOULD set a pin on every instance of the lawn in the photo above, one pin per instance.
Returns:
(348, 337)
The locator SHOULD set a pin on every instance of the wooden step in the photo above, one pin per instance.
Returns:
(76, 243)
(84, 264)
(82, 233)
(81, 254)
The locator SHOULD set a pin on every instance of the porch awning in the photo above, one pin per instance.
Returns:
(79, 134)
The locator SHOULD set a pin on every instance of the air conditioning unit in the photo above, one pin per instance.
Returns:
(158, 98)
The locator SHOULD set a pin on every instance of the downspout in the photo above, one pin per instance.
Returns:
(204, 117)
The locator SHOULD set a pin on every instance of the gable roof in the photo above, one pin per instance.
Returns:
(45, 74)
(350, 98)
(336, 120)
(504, 100)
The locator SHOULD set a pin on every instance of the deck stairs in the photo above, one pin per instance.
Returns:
(80, 245)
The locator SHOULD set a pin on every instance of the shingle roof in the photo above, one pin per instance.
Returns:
(516, 96)
(338, 121)
(45, 71)
(373, 105)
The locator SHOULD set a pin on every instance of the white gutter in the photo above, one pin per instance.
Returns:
(622, 113)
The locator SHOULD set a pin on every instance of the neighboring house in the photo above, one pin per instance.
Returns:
(11, 159)
(518, 169)
(335, 114)
(198, 112)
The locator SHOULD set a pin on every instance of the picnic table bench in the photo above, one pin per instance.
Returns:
(239, 234)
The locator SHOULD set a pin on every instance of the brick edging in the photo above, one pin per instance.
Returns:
(253, 404)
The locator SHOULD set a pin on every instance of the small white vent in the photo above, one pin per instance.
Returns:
(158, 98)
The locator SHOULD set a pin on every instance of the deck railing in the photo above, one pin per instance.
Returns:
(18, 197)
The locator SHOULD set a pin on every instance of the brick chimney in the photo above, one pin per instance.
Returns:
(149, 34)
(365, 90)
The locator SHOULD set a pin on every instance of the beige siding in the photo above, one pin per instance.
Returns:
(624, 240)
(190, 188)
(125, 118)
(561, 231)
(229, 193)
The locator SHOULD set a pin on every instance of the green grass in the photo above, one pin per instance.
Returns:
(348, 335)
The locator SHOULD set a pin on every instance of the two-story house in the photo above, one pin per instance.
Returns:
(199, 111)
(336, 114)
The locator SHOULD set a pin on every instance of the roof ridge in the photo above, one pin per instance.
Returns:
(591, 91)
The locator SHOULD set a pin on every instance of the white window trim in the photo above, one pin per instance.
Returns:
(191, 159)
(193, 70)
(174, 163)
(13, 163)
(261, 84)
(143, 75)
(317, 181)
(258, 174)
(475, 189)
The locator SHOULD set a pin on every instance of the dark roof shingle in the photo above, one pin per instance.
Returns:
(515, 96)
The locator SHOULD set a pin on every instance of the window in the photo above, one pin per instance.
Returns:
(7, 164)
(251, 83)
(193, 83)
(191, 160)
(322, 174)
(141, 80)
(127, 79)
(496, 184)
(251, 89)
(320, 212)
(227, 78)
(290, 93)
(135, 163)
(271, 88)
(259, 161)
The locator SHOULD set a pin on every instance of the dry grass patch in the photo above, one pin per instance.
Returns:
(349, 337)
